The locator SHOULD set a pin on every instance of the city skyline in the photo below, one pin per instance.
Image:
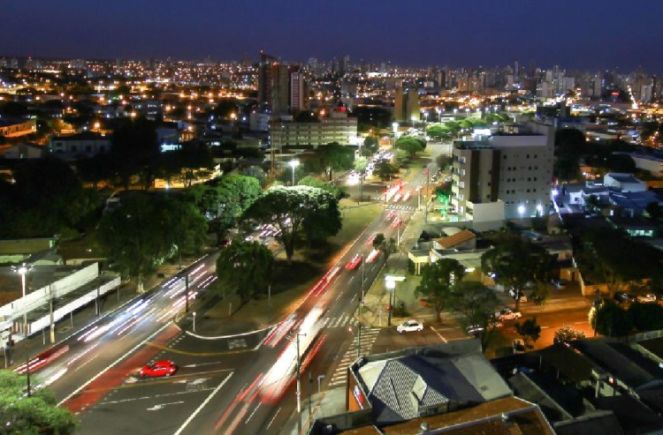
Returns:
(591, 35)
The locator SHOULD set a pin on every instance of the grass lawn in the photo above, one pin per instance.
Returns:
(292, 281)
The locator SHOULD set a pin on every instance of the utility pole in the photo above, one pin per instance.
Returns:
(358, 340)
(27, 373)
(310, 396)
(426, 195)
(269, 295)
(299, 375)
(186, 292)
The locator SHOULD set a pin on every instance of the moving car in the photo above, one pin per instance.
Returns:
(158, 369)
(410, 326)
(375, 253)
(474, 330)
(646, 299)
(623, 297)
(352, 264)
(507, 314)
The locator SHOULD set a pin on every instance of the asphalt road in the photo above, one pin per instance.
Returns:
(240, 384)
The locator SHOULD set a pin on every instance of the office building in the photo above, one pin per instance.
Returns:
(338, 127)
(296, 90)
(10, 128)
(510, 170)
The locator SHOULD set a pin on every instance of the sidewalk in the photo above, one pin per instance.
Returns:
(82, 318)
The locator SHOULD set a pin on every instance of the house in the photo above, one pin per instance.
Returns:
(17, 128)
(85, 144)
(449, 387)
(624, 182)
(461, 239)
(24, 151)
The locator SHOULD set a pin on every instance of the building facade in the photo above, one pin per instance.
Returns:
(338, 127)
(79, 145)
(17, 128)
(514, 167)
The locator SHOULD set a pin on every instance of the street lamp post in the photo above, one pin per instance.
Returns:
(23, 270)
(293, 164)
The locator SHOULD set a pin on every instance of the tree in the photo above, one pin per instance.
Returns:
(360, 164)
(437, 282)
(529, 330)
(143, 232)
(475, 304)
(411, 145)
(443, 162)
(438, 132)
(567, 334)
(378, 241)
(611, 320)
(294, 211)
(245, 268)
(330, 158)
(515, 263)
(369, 147)
(620, 163)
(255, 172)
(646, 317)
(569, 146)
(385, 170)
(187, 228)
(320, 184)
(34, 414)
(135, 149)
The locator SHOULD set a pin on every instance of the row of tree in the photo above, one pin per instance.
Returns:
(612, 320)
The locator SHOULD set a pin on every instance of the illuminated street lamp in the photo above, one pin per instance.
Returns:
(23, 270)
(293, 164)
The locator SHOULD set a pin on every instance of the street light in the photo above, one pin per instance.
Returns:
(23, 270)
(293, 164)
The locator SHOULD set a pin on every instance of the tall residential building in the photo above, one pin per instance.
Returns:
(273, 84)
(296, 90)
(338, 127)
(406, 105)
(280, 86)
(511, 169)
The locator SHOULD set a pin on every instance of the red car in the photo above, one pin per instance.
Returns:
(158, 369)
(352, 264)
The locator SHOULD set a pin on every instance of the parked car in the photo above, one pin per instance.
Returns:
(518, 345)
(410, 326)
(158, 369)
(646, 299)
(623, 297)
(508, 314)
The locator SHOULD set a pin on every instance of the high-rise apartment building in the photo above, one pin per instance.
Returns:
(406, 105)
(338, 127)
(512, 168)
(275, 81)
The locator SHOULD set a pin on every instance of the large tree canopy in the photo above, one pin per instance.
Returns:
(135, 149)
(437, 283)
(330, 158)
(245, 268)
(297, 211)
(46, 198)
(37, 414)
(411, 145)
(475, 304)
(146, 230)
(515, 263)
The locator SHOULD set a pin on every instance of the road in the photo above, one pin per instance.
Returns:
(235, 384)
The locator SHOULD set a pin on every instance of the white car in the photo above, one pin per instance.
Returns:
(410, 326)
(646, 299)
(507, 314)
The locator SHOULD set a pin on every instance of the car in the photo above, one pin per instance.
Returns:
(352, 264)
(474, 330)
(646, 299)
(623, 297)
(158, 369)
(375, 253)
(507, 314)
(410, 326)
(518, 345)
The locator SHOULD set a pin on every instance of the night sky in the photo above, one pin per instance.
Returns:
(590, 34)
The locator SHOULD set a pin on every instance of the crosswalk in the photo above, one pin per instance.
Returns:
(368, 337)
(401, 207)
(339, 321)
